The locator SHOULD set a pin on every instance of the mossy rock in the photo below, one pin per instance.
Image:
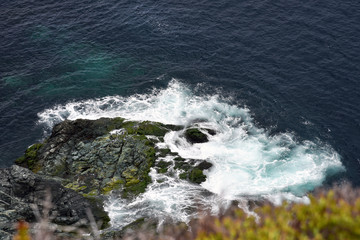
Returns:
(204, 165)
(180, 163)
(135, 183)
(114, 184)
(194, 135)
(134, 188)
(183, 176)
(76, 187)
(163, 152)
(195, 175)
(163, 166)
(148, 128)
(30, 158)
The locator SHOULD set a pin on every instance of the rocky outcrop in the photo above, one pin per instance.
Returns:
(20, 189)
(93, 160)
(96, 157)
(196, 135)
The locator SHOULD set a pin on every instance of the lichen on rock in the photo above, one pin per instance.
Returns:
(97, 157)
(88, 156)
(30, 158)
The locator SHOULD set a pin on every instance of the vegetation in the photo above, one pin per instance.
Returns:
(195, 175)
(332, 214)
(29, 159)
(141, 128)
(325, 218)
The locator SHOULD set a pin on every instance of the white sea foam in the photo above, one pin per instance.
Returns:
(248, 161)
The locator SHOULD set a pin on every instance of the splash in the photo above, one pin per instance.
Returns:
(247, 160)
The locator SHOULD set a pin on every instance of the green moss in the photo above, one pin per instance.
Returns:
(162, 166)
(197, 176)
(162, 170)
(194, 135)
(75, 186)
(115, 123)
(145, 128)
(137, 188)
(130, 172)
(129, 126)
(183, 176)
(114, 184)
(30, 158)
(131, 182)
(150, 155)
(181, 164)
(163, 152)
(155, 129)
(173, 127)
(179, 159)
(92, 193)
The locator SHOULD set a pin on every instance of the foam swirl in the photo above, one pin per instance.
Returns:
(248, 161)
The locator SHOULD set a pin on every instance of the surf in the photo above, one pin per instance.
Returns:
(248, 161)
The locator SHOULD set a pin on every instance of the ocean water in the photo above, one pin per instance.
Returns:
(278, 81)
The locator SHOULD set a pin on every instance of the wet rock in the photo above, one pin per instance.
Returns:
(97, 157)
(203, 165)
(93, 160)
(192, 169)
(162, 166)
(194, 135)
(210, 131)
(195, 175)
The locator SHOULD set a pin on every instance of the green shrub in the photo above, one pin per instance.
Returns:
(330, 215)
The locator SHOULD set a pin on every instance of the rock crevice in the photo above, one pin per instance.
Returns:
(84, 160)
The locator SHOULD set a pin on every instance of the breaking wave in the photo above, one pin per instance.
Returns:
(248, 161)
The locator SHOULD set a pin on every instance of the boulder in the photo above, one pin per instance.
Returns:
(196, 135)
(20, 189)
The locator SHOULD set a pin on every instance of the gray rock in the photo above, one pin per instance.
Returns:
(20, 189)
(84, 156)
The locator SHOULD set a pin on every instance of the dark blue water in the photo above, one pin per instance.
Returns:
(295, 64)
